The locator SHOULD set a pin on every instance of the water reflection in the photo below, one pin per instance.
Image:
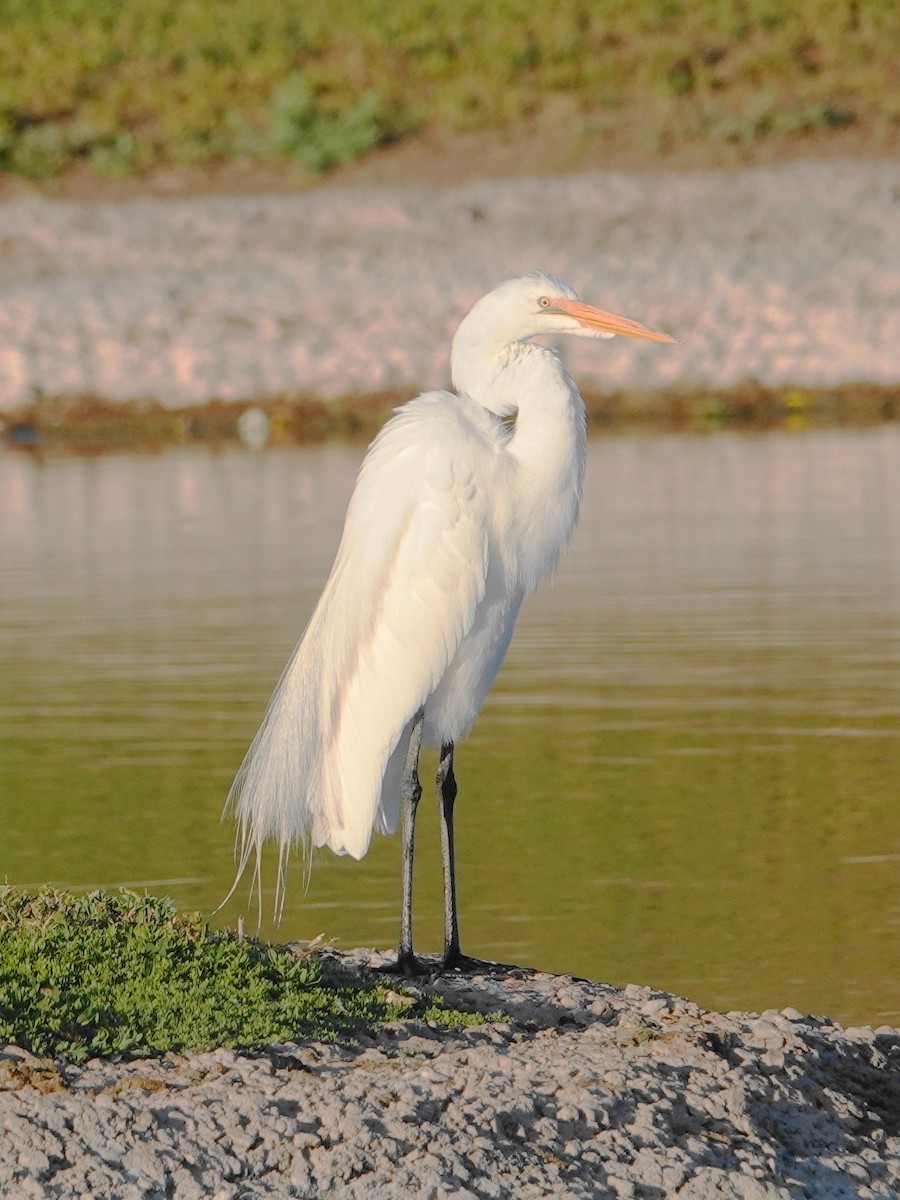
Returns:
(686, 775)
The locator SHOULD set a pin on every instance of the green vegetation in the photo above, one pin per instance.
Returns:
(130, 85)
(124, 974)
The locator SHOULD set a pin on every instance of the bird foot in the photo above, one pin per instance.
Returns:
(408, 966)
(456, 961)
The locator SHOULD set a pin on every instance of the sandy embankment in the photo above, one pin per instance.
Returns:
(786, 275)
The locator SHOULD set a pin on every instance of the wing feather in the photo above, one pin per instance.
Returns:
(403, 592)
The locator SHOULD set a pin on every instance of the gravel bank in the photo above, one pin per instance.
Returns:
(787, 274)
(584, 1091)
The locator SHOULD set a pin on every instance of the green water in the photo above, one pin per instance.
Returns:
(687, 774)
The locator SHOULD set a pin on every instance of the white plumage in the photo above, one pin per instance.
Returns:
(457, 514)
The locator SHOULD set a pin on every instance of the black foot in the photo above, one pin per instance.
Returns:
(456, 961)
(408, 966)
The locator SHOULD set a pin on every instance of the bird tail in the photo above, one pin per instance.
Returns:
(314, 772)
(272, 791)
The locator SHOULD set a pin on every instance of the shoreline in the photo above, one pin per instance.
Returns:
(91, 425)
(781, 274)
(586, 1090)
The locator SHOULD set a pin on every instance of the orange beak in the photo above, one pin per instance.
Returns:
(605, 322)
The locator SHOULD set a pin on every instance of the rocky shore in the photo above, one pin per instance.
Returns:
(786, 275)
(575, 1089)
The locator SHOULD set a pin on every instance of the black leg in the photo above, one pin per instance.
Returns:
(446, 782)
(410, 794)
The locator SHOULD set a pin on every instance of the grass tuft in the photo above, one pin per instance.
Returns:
(123, 974)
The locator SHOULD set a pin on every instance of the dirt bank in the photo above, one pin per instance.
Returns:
(784, 274)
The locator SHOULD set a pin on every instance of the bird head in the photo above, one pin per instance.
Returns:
(540, 303)
(527, 307)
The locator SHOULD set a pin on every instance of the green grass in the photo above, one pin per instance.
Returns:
(130, 85)
(122, 974)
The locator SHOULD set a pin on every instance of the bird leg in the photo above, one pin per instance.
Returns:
(410, 794)
(446, 784)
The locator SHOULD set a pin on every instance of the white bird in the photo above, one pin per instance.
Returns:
(458, 512)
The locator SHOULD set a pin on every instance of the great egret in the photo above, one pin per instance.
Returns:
(457, 513)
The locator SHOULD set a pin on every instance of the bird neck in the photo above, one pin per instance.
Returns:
(549, 444)
(480, 360)
(549, 434)
(528, 380)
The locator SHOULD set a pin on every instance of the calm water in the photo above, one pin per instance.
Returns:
(687, 774)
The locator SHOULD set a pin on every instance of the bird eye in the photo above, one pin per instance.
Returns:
(544, 302)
